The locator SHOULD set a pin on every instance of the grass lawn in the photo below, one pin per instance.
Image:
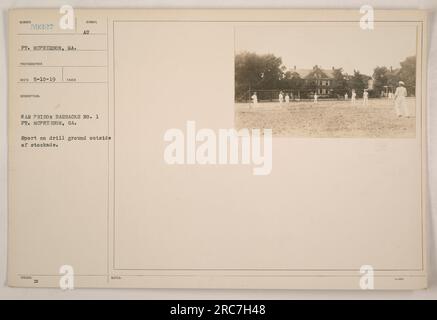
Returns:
(328, 119)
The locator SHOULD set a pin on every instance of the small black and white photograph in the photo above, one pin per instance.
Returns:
(327, 81)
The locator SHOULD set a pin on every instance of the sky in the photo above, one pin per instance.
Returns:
(328, 45)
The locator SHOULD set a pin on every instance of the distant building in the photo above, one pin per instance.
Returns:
(321, 79)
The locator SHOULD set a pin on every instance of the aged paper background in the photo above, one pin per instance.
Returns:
(430, 63)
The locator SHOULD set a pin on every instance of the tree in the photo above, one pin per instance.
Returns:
(358, 82)
(393, 78)
(339, 87)
(309, 87)
(254, 72)
(407, 73)
(294, 82)
(380, 79)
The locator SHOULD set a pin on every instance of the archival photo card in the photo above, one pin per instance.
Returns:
(242, 149)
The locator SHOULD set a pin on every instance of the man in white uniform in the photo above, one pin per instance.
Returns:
(400, 95)
(315, 97)
(365, 98)
(281, 97)
(353, 97)
(254, 98)
(346, 96)
(287, 98)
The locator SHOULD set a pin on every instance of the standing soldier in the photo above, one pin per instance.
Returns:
(346, 96)
(254, 98)
(315, 97)
(365, 97)
(353, 97)
(287, 98)
(401, 101)
(281, 97)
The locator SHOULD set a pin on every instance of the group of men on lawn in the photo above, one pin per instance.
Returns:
(400, 102)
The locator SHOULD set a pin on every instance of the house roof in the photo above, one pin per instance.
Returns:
(304, 73)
